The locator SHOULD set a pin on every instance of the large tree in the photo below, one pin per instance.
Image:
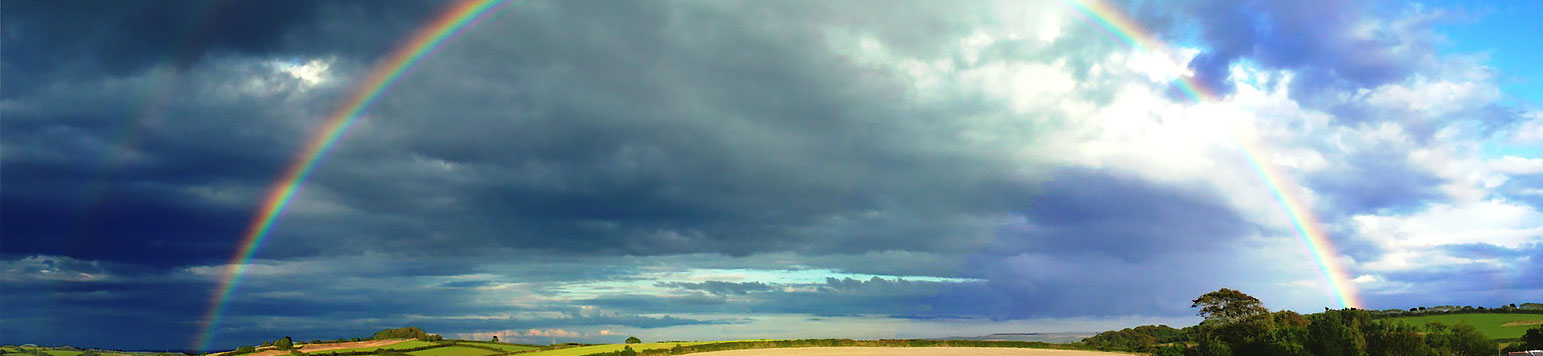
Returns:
(1534, 338)
(1227, 306)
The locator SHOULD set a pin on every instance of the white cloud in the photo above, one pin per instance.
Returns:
(1430, 97)
(1518, 165)
(52, 268)
(1412, 241)
(310, 73)
(1496, 221)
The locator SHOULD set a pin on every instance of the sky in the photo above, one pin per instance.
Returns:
(582, 171)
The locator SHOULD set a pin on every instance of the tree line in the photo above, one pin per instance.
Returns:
(1238, 324)
(1513, 308)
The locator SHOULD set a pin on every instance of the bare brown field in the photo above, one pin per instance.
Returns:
(270, 351)
(906, 351)
(349, 345)
(1523, 323)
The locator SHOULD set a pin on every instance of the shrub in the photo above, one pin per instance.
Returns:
(400, 333)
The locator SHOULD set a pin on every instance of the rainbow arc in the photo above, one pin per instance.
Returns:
(1308, 229)
(424, 42)
(467, 13)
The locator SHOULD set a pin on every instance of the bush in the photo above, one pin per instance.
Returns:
(1171, 350)
(400, 333)
(634, 340)
(1533, 340)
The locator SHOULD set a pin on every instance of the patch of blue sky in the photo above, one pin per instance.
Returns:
(1501, 148)
(1506, 33)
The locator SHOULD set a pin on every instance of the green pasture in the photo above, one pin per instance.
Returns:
(1488, 324)
(501, 346)
(453, 351)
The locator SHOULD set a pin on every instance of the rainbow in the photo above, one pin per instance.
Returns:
(1126, 30)
(460, 17)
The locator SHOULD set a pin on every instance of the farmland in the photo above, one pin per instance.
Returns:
(904, 351)
(453, 351)
(498, 345)
(585, 350)
(409, 344)
(1494, 326)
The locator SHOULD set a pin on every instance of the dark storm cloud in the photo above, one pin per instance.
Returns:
(1090, 235)
(560, 141)
(143, 227)
(314, 298)
(1375, 177)
(698, 133)
(45, 296)
(1324, 42)
(1084, 240)
(1114, 213)
(44, 39)
(97, 168)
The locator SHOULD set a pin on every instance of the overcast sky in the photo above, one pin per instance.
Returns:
(678, 170)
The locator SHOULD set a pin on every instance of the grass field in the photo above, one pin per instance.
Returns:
(453, 351)
(1492, 325)
(502, 346)
(61, 352)
(585, 350)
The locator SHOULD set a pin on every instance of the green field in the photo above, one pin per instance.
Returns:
(397, 346)
(61, 352)
(500, 346)
(585, 350)
(453, 351)
(1489, 324)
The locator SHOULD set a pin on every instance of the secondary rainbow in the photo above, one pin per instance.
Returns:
(1124, 29)
(425, 41)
